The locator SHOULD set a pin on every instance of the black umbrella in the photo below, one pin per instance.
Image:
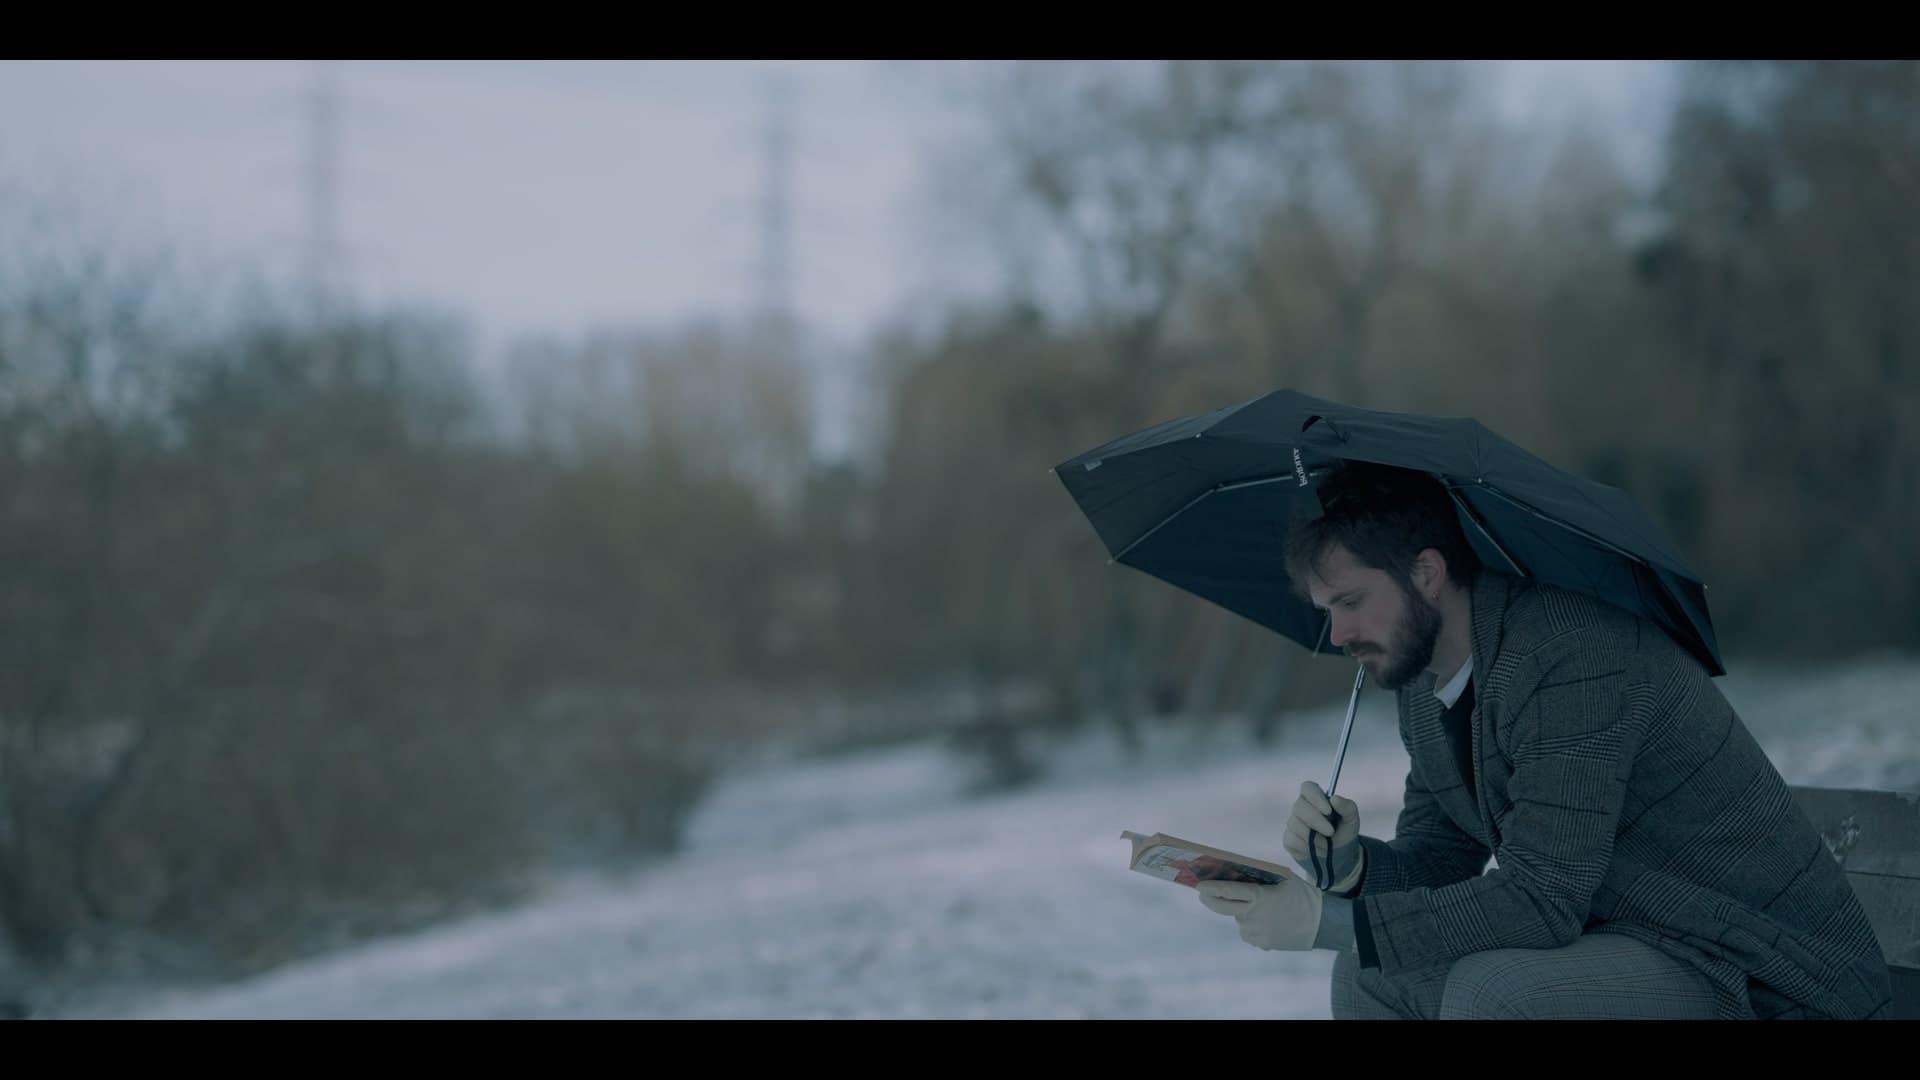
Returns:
(1203, 503)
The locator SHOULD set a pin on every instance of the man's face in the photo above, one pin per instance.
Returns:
(1390, 631)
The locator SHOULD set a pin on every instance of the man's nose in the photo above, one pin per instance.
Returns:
(1340, 633)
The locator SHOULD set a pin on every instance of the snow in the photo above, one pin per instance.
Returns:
(873, 886)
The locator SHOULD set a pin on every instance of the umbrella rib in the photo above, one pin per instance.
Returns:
(1475, 518)
(1190, 505)
(1569, 526)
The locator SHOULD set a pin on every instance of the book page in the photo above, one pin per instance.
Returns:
(1184, 866)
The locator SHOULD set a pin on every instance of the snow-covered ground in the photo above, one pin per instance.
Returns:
(872, 886)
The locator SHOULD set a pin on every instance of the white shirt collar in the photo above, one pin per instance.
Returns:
(1457, 685)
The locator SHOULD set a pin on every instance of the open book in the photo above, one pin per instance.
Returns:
(1184, 862)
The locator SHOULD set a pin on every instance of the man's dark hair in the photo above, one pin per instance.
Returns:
(1386, 517)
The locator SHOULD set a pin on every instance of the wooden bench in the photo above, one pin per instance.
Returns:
(1875, 836)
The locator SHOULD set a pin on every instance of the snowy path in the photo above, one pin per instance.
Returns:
(867, 887)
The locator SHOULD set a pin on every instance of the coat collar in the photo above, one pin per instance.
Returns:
(1491, 595)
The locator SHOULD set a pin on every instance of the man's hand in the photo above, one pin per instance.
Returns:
(1313, 834)
(1283, 916)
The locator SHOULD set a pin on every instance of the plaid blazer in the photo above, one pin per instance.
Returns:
(1617, 791)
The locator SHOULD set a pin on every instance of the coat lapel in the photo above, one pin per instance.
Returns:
(1426, 724)
(1432, 753)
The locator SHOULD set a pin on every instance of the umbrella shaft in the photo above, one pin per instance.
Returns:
(1346, 732)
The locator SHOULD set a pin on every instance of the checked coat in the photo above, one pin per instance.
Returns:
(1616, 791)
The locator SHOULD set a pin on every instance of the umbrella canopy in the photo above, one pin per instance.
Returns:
(1203, 503)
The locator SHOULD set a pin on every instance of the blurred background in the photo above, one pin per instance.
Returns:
(422, 483)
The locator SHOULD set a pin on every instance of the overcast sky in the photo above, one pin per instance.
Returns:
(530, 196)
(534, 196)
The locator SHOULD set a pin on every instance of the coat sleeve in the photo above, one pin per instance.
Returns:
(1427, 849)
(1571, 735)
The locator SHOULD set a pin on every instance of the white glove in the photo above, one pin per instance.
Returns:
(1283, 916)
(1311, 833)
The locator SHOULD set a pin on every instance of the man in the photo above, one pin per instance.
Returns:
(1649, 861)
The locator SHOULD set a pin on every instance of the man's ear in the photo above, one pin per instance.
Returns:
(1430, 570)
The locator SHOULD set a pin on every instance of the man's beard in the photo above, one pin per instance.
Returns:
(1414, 639)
